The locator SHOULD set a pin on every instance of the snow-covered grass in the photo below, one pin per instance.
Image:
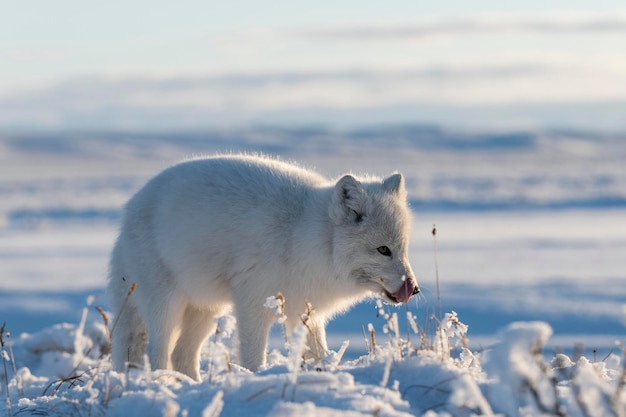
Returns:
(64, 370)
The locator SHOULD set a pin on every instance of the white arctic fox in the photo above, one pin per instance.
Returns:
(233, 230)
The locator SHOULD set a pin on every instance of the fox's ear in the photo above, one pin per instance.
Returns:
(348, 200)
(394, 184)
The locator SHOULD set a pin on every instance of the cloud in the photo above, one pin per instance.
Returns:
(487, 23)
(436, 92)
(270, 90)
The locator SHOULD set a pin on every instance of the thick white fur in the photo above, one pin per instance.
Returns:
(233, 230)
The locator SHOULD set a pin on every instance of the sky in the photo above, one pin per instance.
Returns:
(158, 65)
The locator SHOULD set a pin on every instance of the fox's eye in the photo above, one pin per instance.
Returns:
(384, 250)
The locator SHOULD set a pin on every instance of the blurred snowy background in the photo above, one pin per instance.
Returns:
(509, 122)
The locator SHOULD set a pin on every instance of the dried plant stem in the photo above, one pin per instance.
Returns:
(280, 313)
(367, 345)
(305, 321)
(18, 380)
(211, 353)
(437, 270)
(6, 373)
(457, 323)
(119, 313)
(105, 319)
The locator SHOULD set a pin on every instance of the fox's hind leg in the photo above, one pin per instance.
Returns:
(164, 317)
(197, 325)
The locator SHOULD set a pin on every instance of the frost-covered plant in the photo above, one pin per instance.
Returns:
(310, 347)
(451, 333)
(293, 342)
(297, 348)
(9, 344)
(392, 329)
(523, 384)
(371, 343)
(296, 343)
(277, 304)
(82, 345)
(317, 349)
(218, 351)
(518, 381)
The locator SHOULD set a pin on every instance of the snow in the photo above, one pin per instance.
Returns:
(530, 244)
(63, 371)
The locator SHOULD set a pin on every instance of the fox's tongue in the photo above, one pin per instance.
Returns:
(405, 292)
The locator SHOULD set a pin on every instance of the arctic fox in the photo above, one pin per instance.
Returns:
(223, 231)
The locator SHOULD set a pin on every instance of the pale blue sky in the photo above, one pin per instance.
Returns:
(69, 55)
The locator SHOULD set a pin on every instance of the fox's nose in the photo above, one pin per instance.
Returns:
(416, 290)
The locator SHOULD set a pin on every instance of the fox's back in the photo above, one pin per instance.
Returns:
(247, 178)
(220, 207)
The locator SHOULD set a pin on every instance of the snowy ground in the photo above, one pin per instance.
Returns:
(530, 227)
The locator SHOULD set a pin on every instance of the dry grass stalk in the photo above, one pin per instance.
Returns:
(18, 380)
(367, 345)
(131, 290)
(278, 304)
(457, 323)
(71, 381)
(218, 331)
(305, 321)
(229, 366)
(105, 318)
(434, 232)
(6, 373)
(373, 338)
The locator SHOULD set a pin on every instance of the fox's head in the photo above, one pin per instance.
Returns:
(372, 226)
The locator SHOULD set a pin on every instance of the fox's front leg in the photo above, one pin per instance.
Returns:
(254, 326)
(316, 337)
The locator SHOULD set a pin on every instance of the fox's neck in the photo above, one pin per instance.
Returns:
(313, 233)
